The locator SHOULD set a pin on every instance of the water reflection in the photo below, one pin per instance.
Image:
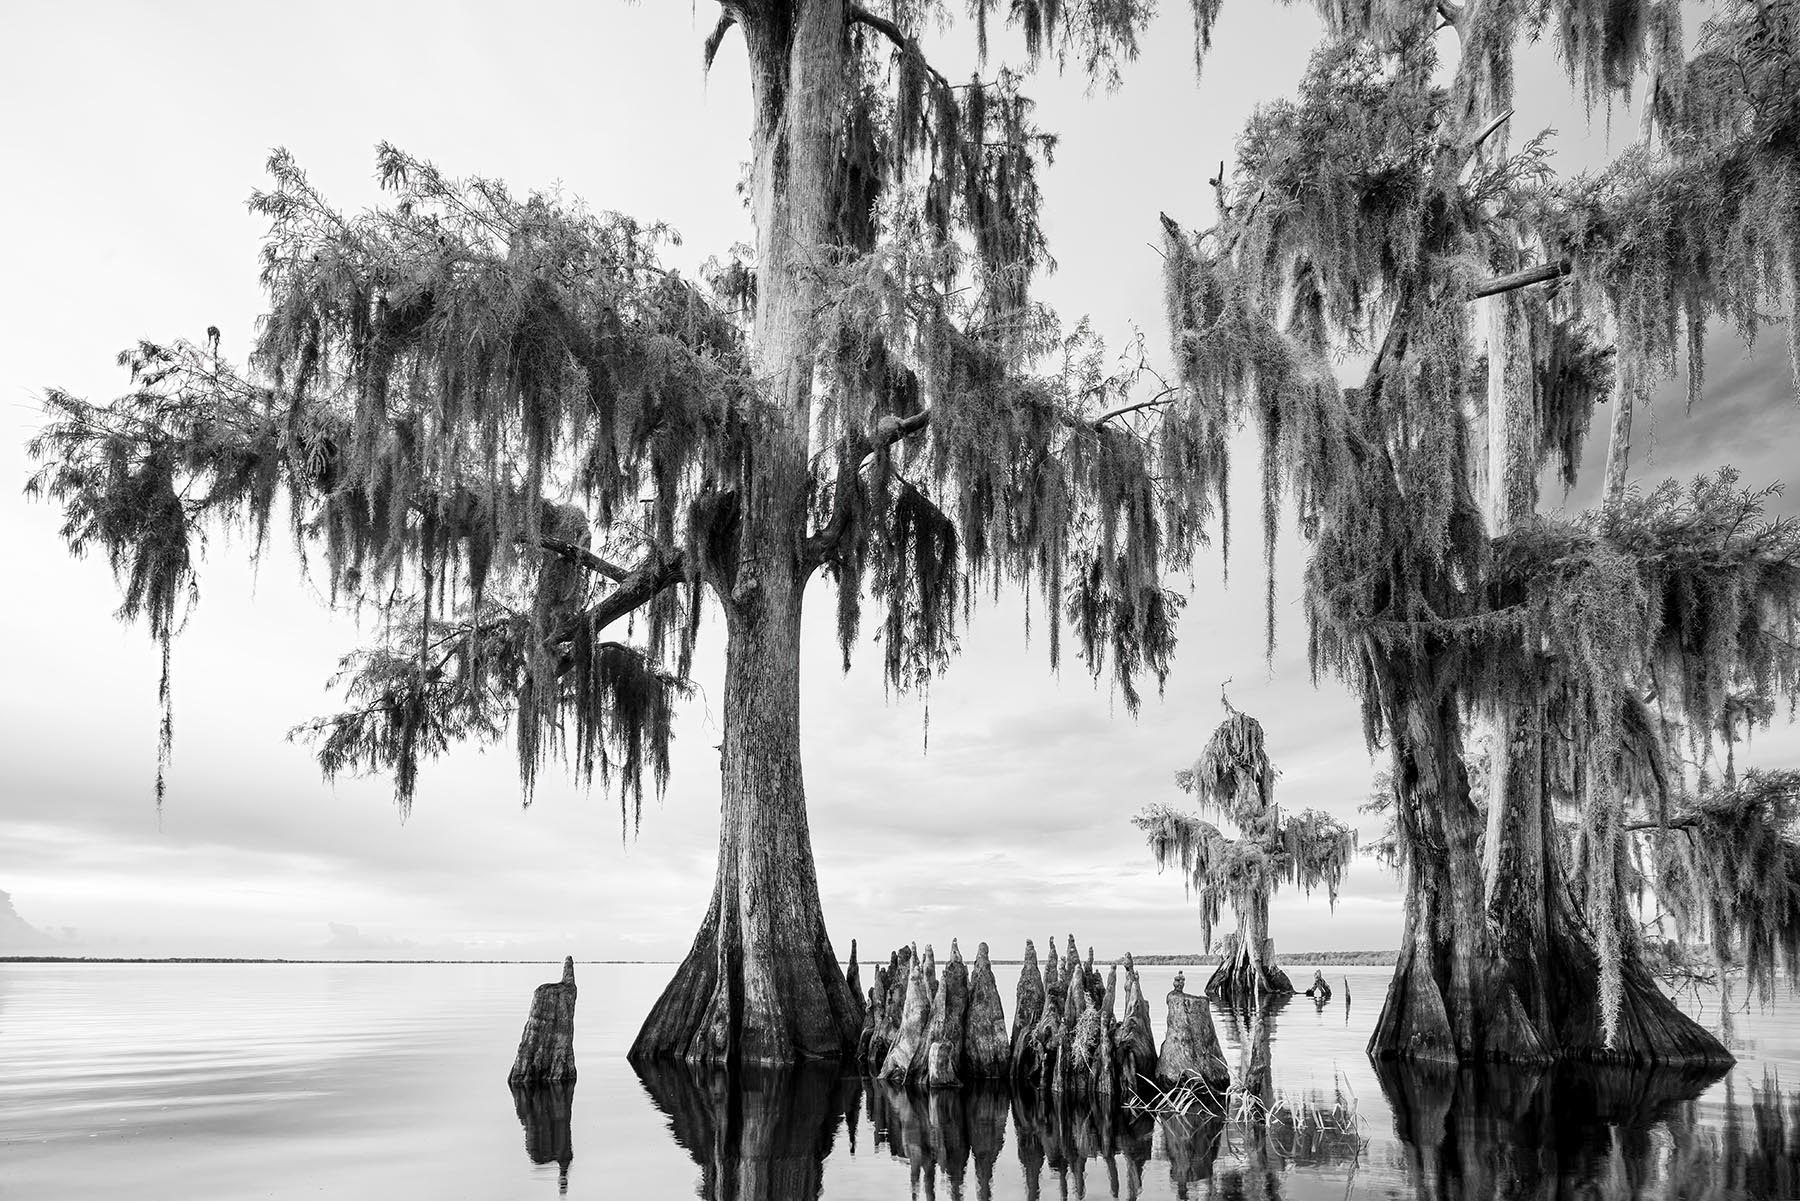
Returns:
(1597, 1132)
(761, 1134)
(1454, 1135)
(767, 1134)
(544, 1111)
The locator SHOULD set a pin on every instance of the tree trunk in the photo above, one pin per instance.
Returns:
(1243, 976)
(761, 984)
(1450, 998)
(1504, 971)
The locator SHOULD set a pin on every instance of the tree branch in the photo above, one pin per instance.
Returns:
(1522, 279)
(582, 557)
(858, 15)
(660, 569)
(1161, 398)
(887, 431)
(1485, 132)
(727, 18)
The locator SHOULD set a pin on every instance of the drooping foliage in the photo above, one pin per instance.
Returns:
(1704, 223)
(1725, 866)
(1234, 779)
(511, 432)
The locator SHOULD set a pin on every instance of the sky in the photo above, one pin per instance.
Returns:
(131, 136)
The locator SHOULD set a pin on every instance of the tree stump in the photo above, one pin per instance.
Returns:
(1190, 1048)
(547, 1047)
(986, 1051)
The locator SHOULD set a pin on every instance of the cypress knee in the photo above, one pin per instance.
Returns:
(547, 1047)
(906, 1058)
(854, 979)
(1137, 1040)
(986, 1053)
(1105, 1068)
(1028, 1007)
(948, 1013)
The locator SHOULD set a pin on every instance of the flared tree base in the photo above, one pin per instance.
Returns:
(1474, 1010)
(773, 999)
(1241, 981)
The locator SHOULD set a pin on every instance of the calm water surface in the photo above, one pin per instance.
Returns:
(379, 1080)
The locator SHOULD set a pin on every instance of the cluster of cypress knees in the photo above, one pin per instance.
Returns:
(1072, 1033)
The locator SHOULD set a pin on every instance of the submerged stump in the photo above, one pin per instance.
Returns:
(1190, 1047)
(547, 1047)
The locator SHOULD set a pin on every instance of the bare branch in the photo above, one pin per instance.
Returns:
(727, 18)
(1542, 273)
(582, 557)
(1161, 398)
(1486, 132)
(660, 569)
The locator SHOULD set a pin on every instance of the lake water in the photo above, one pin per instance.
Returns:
(387, 1081)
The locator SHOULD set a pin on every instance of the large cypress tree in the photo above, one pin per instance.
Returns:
(1380, 209)
(534, 451)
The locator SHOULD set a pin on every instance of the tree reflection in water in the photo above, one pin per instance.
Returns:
(1602, 1132)
(758, 1134)
(765, 1135)
(544, 1111)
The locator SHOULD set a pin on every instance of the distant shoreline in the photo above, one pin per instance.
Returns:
(1320, 959)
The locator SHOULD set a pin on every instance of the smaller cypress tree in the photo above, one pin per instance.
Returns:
(1233, 779)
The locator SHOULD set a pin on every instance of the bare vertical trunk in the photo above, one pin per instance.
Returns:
(1618, 445)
